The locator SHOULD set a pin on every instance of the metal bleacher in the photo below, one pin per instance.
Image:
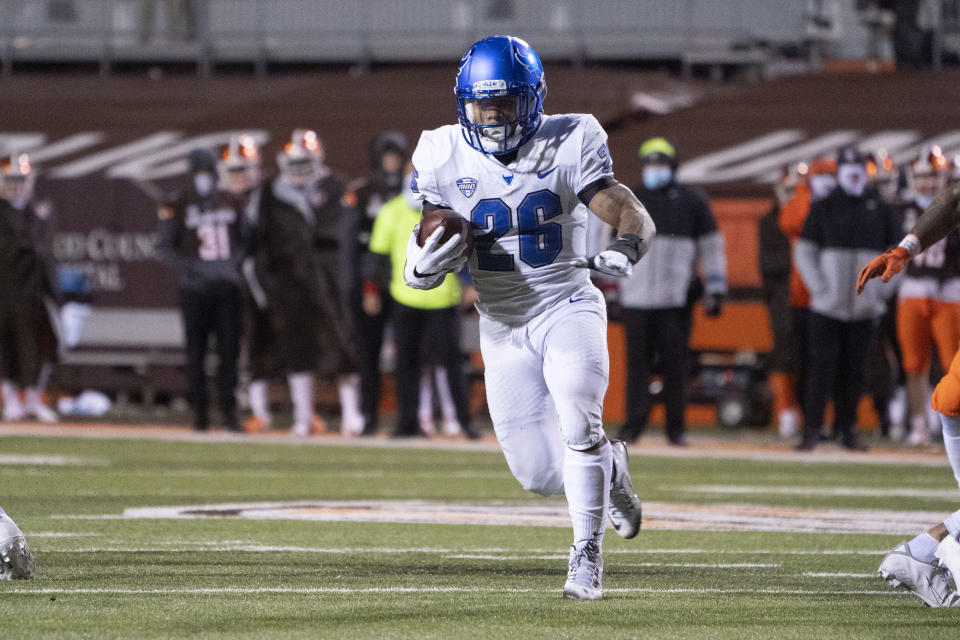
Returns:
(264, 32)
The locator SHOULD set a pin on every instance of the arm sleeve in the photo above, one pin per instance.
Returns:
(424, 181)
(806, 254)
(595, 161)
(168, 239)
(710, 249)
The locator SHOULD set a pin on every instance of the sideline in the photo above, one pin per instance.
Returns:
(702, 446)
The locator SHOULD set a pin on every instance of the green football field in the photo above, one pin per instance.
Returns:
(141, 538)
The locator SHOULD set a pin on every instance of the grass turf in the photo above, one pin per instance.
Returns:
(226, 577)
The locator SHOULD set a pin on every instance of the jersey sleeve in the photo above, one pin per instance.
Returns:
(424, 181)
(595, 161)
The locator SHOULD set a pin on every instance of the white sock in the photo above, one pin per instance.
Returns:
(9, 392)
(258, 399)
(301, 394)
(951, 442)
(32, 398)
(586, 481)
(348, 387)
(46, 370)
(447, 408)
(425, 406)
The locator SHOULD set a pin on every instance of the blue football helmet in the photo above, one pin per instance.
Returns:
(500, 74)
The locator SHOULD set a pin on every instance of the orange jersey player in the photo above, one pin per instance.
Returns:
(914, 564)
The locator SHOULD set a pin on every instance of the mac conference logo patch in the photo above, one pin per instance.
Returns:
(467, 186)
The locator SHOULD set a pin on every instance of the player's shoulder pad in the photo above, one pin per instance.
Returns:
(438, 144)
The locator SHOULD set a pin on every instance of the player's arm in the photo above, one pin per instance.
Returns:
(939, 219)
(616, 204)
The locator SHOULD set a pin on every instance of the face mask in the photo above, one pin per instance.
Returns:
(203, 183)
(656, 177)
(412, 199)
(852, 178)
(821, 186)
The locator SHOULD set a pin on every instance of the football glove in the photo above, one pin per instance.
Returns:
(618, 259)
(427, 265)
(886, 265)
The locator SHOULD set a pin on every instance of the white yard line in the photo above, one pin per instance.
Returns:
(48, 460)
(467, 554)
(859, 492)
(818, 574)
(420, 590)
(60, 534)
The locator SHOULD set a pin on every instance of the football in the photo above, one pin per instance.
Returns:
(452, 223)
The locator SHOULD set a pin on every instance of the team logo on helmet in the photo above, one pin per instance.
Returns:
(467, 186)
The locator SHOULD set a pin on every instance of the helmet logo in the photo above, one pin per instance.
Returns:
(467, 186)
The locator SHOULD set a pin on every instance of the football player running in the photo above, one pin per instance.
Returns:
(526, 181)
(913, 564)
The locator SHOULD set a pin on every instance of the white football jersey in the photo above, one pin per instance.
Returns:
(528, 222)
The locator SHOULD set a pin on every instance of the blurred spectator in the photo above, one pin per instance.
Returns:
(178, 15)
(928, 311)
(301, 325)
(203, 238)
(774, 254)
(423, 320)
(656, 314)
(811, 183)
(433, 377)
(389, 152)
(28, 337)
(843, 231)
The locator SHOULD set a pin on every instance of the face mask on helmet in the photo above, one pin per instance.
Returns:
(16, 181)
(239, 168)
(852, 178)
(821, 186)
(301, 163)
(500, 90)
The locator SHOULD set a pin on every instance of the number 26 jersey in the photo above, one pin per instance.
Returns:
(528, 222)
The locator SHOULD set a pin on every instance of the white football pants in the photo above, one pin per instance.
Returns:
(545, 384)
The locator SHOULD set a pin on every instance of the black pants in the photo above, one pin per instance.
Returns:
(216, 309)
(801, 335)
(661, 336)
(441, 327)
(369, 331)
(836, 355)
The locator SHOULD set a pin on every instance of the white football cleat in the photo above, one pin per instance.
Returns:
(43, 413)
(452, 427)
(16, 559)
(949, 553)
(13, 411)
(585, 573)
(626, 513)
(925, 580)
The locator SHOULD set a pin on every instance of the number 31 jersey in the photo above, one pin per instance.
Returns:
(528, 223)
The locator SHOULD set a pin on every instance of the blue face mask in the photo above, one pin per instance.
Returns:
(656, 177)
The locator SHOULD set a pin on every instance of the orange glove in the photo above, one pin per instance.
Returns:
(886, 265)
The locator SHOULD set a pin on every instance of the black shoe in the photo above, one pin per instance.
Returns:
(808, 444)
(853, 443)
(678, 441)
(419, 433)
(200, 426)
(232, 424)
(470, 432)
